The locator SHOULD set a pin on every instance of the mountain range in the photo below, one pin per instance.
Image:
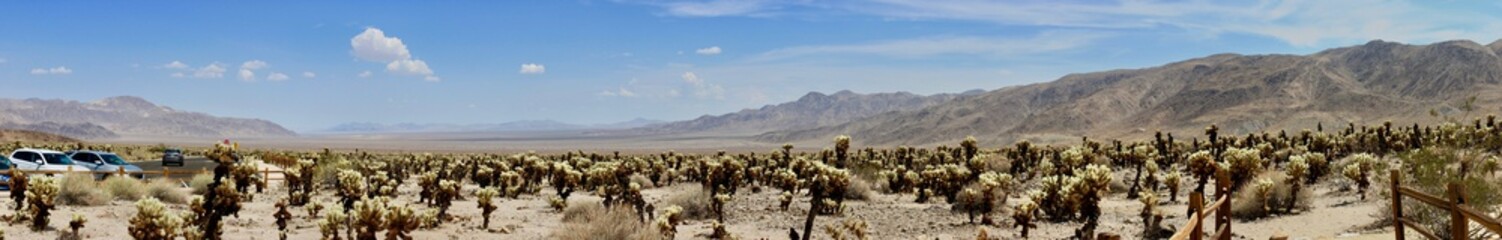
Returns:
(814, 109)
(514, 126)
(1364, 84)
(125, 115)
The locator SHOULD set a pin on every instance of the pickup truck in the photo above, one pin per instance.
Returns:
(99, 161)
(30, 159)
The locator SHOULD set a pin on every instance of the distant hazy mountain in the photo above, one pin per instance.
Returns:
(515, 126)
(1378, 81)
(125, 115)
(812, 110)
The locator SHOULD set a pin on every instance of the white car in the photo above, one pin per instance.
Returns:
(104, 164)
(29, 159)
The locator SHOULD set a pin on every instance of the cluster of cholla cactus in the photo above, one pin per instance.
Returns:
(444, 196)
(40, 196)
(1023, 215)
(368, 217)
(153, 221)
(985, 196)
(246, 173)
(850, 229)
(667, 222)
(299, 182)
(351, 188)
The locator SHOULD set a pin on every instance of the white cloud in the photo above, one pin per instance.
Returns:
(373, 45)
(409, 67)
(59, 70)
(247, 69)
(178, 75)
(715, 50)
(714, 8)
(949, 45)
(703, 89)
(276, 76)
(621, 92)
(365, 74)
(175, 65)
(309, 75)
(213, 70)
(3, 60)
(533, 68)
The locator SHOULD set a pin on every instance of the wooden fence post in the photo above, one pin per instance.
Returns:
(1197, 206)
(1458, 222)
(1397, 204)
(166, 173)
(1223, 213)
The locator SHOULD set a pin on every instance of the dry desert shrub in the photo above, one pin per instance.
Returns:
(124, 188)
(200, 183)
(166, 191)
(696, 203)
(1266, 195)
(592, 221)
(81, 190)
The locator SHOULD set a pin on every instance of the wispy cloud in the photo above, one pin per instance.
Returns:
(59, 70)
(1301, 23)
(715, 50)
(948, 45)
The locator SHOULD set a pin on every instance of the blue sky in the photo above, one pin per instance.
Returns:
(312, 64)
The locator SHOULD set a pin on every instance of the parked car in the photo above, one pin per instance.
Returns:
(4, 173)
(99, 161)
(172, 156)
(31, 159)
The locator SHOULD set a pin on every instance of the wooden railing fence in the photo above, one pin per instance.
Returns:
(1461, 216)
(1194, 229)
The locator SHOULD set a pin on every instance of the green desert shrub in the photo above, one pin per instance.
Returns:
(82, 190)
(124, 188)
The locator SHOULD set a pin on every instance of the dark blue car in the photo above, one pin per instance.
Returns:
(4, 173)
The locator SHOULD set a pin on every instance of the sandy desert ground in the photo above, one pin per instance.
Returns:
(1335, 215)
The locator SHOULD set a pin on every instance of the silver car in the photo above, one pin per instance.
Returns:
(103, 163)
(30, 159)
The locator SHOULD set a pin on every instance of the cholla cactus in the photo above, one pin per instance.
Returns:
(851, 229)
(1151, 218)
(152, 221)
(1172, 179)
(351, 188)
(1319, 166)
(1358, 169)
(667, 222)
(1491, 164)
(484, 197)
(244, 173)
(282, 216)
(77, 223)
(446, 193)
(1245, 163)
(18, 183)
(331, 224)
(40, 195)
(1263, 188)
(1094, 182)
(841, 149)
(1202, 165)
(1023, 215)
(313, 209)
(400, 220)
(368, 217)
(1298, 168)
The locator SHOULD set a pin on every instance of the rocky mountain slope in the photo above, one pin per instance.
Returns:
(126, 115)
(1370, 83)
(812, 110)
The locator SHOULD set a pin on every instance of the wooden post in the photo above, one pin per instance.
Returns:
(1397, 204)
(266, 176)
(119, 171)
(1223, 213)
(1458, 222)
(166, 173)
(1196, 206)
